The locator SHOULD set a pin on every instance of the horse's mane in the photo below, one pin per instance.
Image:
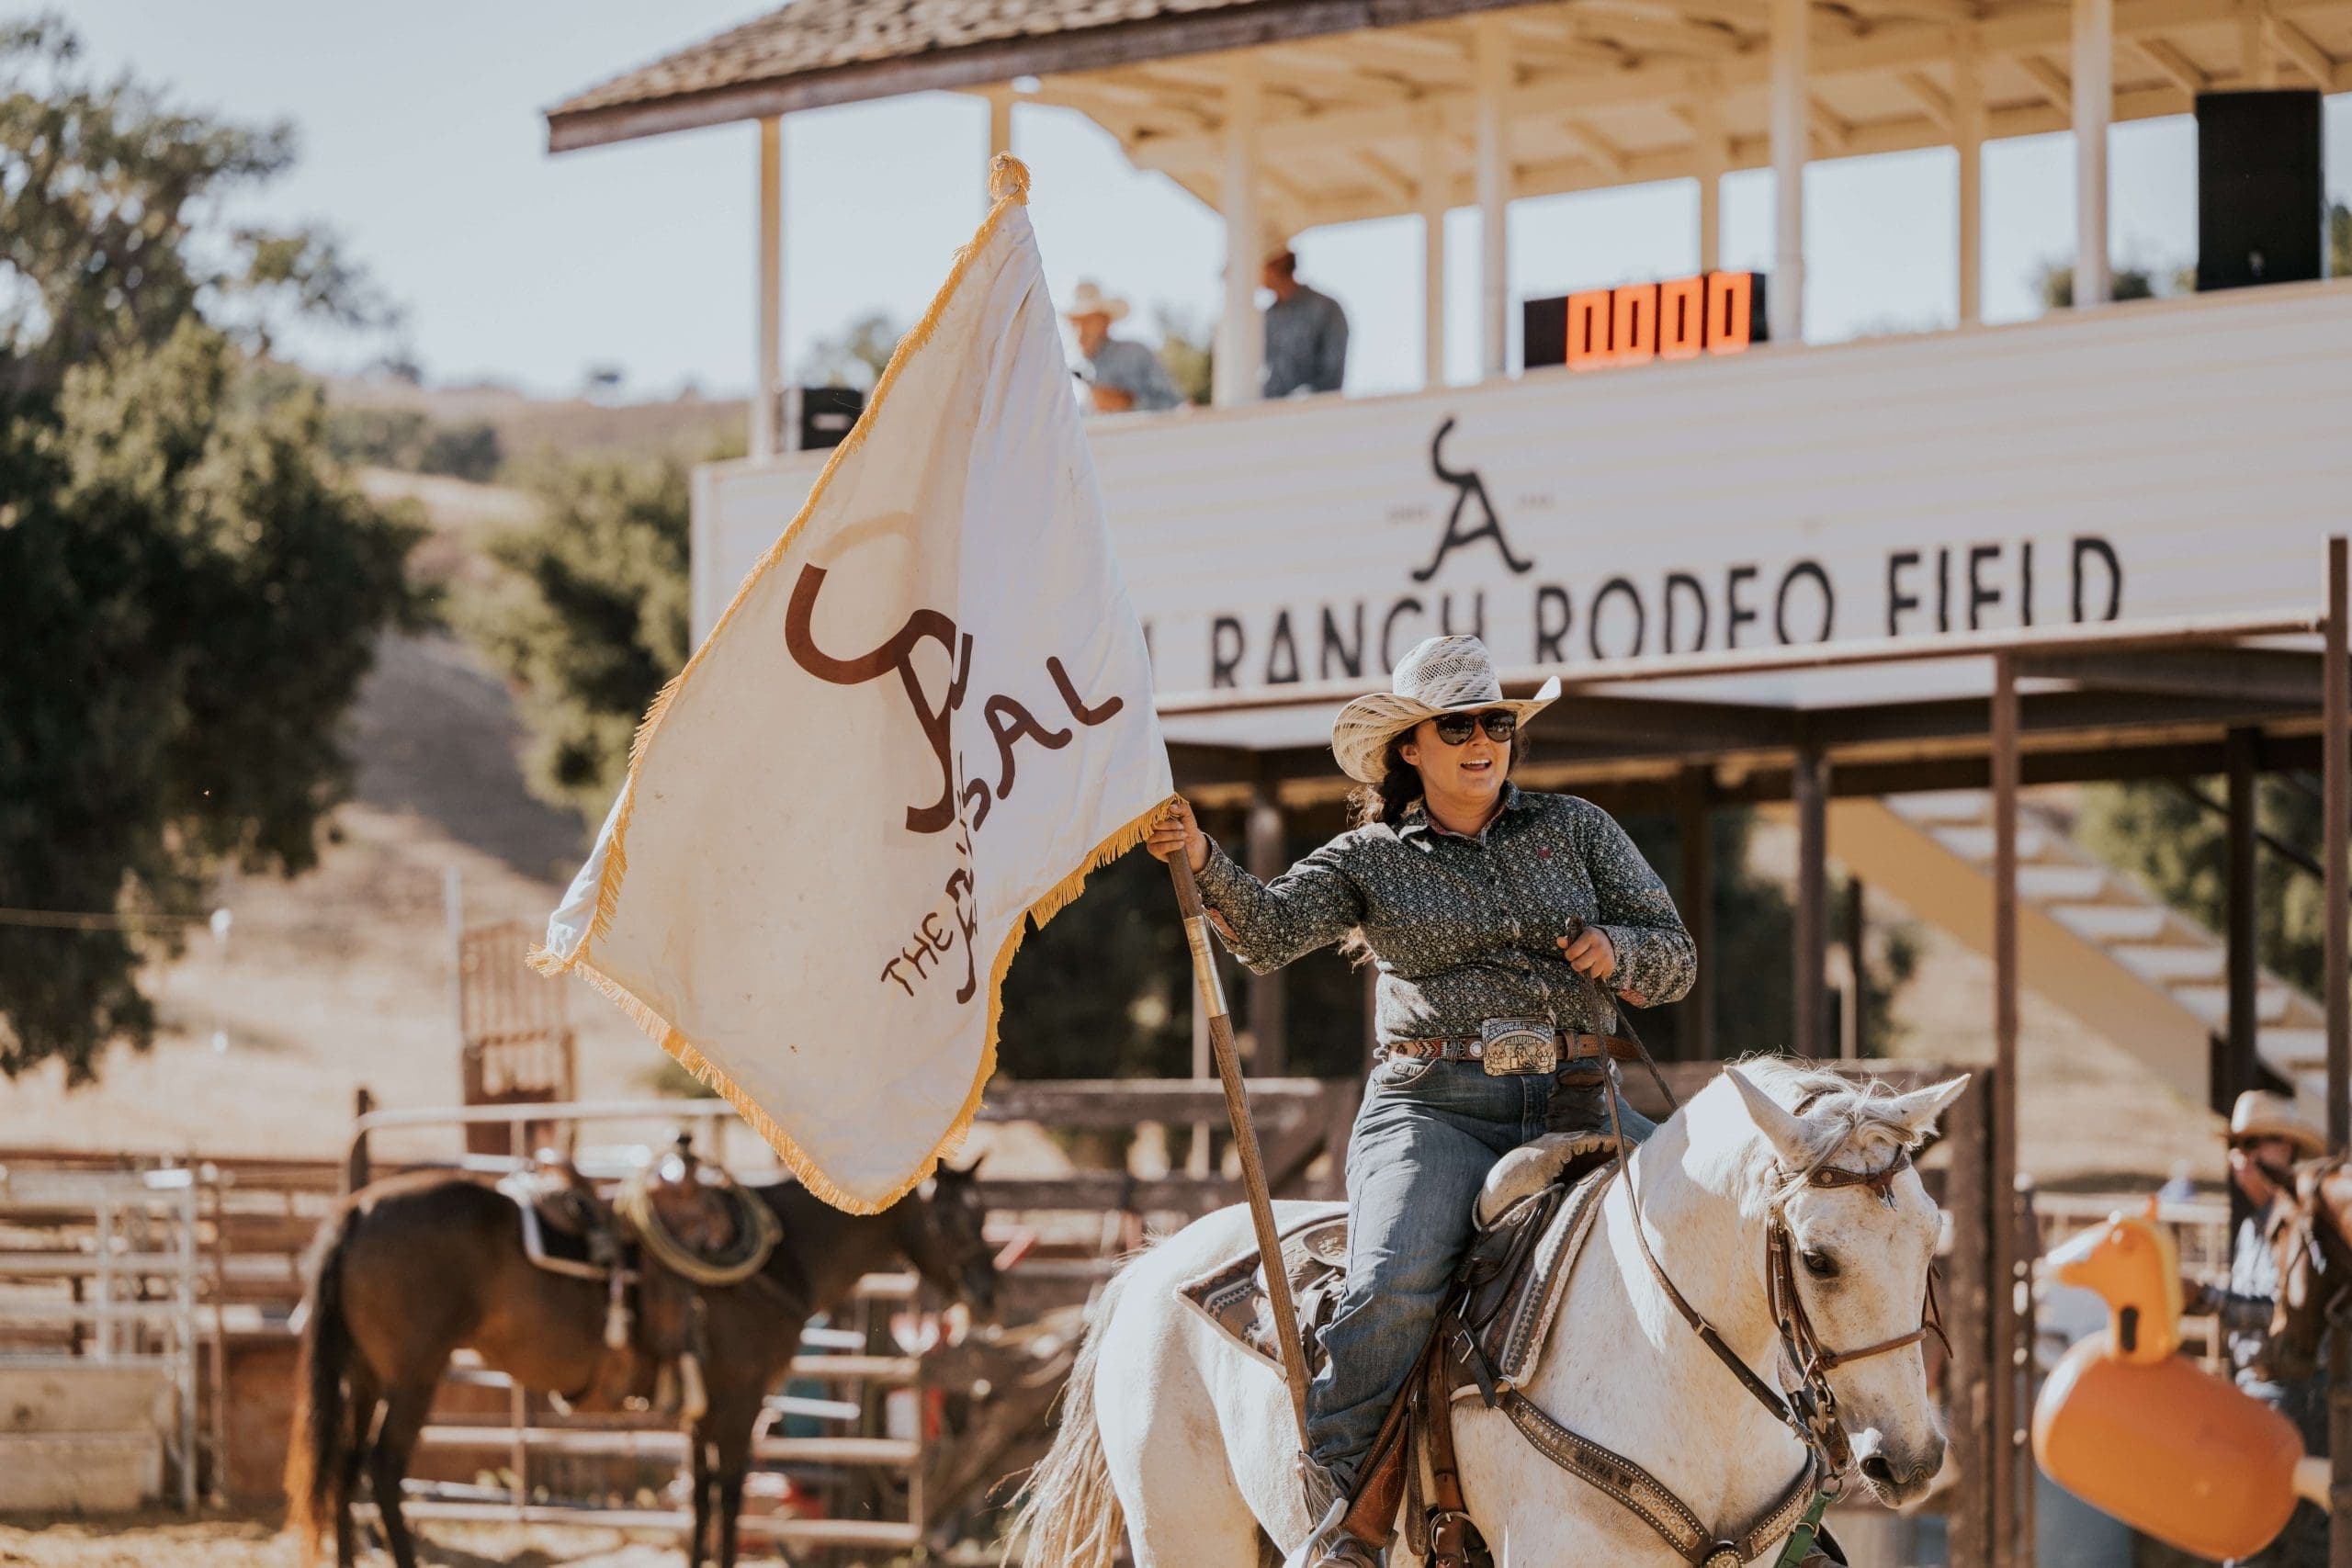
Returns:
(1849, 1119)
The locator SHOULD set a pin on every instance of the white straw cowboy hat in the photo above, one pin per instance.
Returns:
(1088, 299)
(2259, 1114)
(1444, 674)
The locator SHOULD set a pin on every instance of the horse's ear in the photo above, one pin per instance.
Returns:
(1776, 1121)
(1918, 1110)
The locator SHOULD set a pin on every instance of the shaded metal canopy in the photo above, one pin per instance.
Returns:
(1365, 102)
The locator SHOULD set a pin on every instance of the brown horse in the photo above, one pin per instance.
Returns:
(413, 1268)
(2313, 1248)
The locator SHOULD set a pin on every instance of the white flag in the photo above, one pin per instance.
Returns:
(926, 715)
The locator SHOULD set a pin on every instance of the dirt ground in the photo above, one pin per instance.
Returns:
(169, 1540)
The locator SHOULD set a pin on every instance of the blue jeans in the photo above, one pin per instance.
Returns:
(1426, 1137)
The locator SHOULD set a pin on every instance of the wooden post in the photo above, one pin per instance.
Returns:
(1000, 129)
(1245, 1135)
(1968, 137)
(1968, 1130)
(1784, 296)
(1241, 337)
(2256, 65)
(1433, 192)
(1715, 157)
(2242, 889)
(1853, 1035)
(767, 393)
(1492, 74)
(1267, 995)
(2335, 751)
(2002, 1315)
(1809, 784)
(1697, 902)
(357, 1176)
(2094, 107)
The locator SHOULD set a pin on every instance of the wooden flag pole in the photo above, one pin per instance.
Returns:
(1245, 1135)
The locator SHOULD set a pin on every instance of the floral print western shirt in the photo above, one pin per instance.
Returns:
(1464, 930)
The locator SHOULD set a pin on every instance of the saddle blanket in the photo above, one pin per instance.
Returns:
(1515, 1312)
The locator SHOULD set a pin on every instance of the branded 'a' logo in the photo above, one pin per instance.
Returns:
(1467, 488)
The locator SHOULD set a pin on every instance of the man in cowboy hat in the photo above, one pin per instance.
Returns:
(1306, 331)
(1507, 927)
(2267, 1134)
(1122, 374)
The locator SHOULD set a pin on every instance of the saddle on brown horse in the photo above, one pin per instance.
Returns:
(680, 1227)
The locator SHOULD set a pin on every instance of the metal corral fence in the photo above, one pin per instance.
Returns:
(101, 1335)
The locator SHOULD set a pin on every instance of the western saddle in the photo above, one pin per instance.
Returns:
(1533, 1215)
(675, 1229)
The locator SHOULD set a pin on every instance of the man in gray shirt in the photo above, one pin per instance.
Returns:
(1122, 374)
(1306, 332)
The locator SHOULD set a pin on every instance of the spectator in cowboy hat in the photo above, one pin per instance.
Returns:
(2268, 1133)
(1306, 332)
(1121, 374)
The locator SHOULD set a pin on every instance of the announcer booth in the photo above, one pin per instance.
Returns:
(1856, 583)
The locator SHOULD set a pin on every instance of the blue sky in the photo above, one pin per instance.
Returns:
(424, 148)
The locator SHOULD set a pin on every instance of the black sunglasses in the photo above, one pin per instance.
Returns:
(1455, 728)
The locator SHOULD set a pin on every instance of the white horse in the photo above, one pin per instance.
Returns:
(1170, 1429)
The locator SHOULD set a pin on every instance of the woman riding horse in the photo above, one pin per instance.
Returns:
(1501, 921)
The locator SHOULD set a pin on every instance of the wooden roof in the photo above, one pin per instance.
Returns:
(814, 52)
(1363, 99)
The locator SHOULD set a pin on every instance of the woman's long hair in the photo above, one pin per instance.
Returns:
(1387, 801)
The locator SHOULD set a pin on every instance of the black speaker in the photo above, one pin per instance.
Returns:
(825, 415)
(2261, 204)
(1544, 331)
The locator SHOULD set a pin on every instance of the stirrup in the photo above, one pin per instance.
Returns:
(1345, 1550)
(1328, 1544)
(1326, 1504)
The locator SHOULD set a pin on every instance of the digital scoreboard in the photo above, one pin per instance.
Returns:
(1599, 329)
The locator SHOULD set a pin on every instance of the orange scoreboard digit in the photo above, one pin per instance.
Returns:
(1605, 328)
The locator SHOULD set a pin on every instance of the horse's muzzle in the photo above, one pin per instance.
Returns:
(1896, 1479)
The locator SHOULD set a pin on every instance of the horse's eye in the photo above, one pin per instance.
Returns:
(1820, 1265)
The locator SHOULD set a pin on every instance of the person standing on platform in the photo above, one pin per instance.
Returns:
(2267, 1134)
(1306, 332)
(1122, 375)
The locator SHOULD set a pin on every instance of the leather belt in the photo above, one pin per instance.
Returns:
(1573, 1048)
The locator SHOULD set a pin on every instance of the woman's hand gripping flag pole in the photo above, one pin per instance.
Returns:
(1245, 1137)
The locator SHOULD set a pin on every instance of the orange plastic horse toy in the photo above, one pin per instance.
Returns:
(2132, 1429)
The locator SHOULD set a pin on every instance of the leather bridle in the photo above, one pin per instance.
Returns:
(1810, 1410)
(1812, 1401)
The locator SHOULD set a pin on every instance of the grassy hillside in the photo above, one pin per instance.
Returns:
(530, 428)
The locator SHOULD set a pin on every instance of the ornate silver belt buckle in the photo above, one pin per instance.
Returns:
(1509, 1046)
